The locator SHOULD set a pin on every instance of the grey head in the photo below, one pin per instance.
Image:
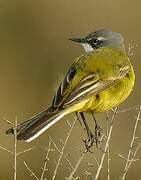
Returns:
(100, 38)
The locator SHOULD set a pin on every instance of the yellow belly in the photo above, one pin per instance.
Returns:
(109, 98)
(114, 96)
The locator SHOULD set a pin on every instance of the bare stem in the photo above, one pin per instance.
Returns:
(128, 109)
(68, 161)
(62, 150)
(106, 145)
(24, 151)
(131, 155)
(45, 160)
(14, 153)
(15, 149)
(5, 149)
(108, 150)
(130, 49)
(31, 172)
(65, 157)
(76, 167)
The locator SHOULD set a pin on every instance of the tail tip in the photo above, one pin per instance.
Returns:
(9, 131)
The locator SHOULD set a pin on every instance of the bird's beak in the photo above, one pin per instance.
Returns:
(78, 40)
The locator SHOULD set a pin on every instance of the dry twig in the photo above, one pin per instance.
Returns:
(24, 151)
(62, 150)
(106, 145)
(44, 166)
(108, 150)
(130, 49)
(131, 155)
(14, 153)
(31, 172)
(5, 149)
(45, 160)
(15, 149)
(76, 166)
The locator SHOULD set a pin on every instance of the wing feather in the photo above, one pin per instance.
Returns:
(83, 93)
(92, 84)
(86, 85)
(58, 98)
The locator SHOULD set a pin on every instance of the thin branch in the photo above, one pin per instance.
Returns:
(128, 109)
(97, 163)
(45, 160)
(5, 149)
(15, 149)
(108, 150)
(71, 166)
(62, 150)
(14, 153)
(76, 166)
(26, 150)
(9, 122)
(55, 145)
(87, 174)
(106, 145)
(130, 49)
(131, 155)
(31, 172)
(69, 163)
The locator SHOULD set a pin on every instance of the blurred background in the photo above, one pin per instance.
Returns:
(34, 55)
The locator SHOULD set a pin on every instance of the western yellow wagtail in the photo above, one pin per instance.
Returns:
(97, 81)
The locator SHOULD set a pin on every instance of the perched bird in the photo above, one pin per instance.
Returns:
(97, 81)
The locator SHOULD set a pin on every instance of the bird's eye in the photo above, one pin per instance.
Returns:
(96, 41)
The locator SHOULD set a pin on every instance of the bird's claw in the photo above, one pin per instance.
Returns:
(93, 139)
(89, 142)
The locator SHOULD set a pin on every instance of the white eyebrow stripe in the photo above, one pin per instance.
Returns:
(101, 38)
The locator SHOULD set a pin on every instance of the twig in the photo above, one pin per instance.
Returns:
(55, 145)
(15, 149)
(130, 49)
(26, 150)
(97, 163)
(131, 155)
(69, 163)
(45, 160)
(5, 149)
(62, 150)
(9, 122)
(45, 163)
(106, 145)
(108, 150)
(71, 166)
(128, 109)
(76, 166)
(31, 172)
(88, 174)
(14, 153)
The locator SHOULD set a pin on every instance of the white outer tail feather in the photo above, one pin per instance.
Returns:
(47, 126)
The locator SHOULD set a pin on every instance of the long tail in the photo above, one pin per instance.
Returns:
(34, 127)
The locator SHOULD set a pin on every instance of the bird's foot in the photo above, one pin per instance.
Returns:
(91, 139)
(89, 142)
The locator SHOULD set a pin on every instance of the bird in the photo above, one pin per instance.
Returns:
(97, 81)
